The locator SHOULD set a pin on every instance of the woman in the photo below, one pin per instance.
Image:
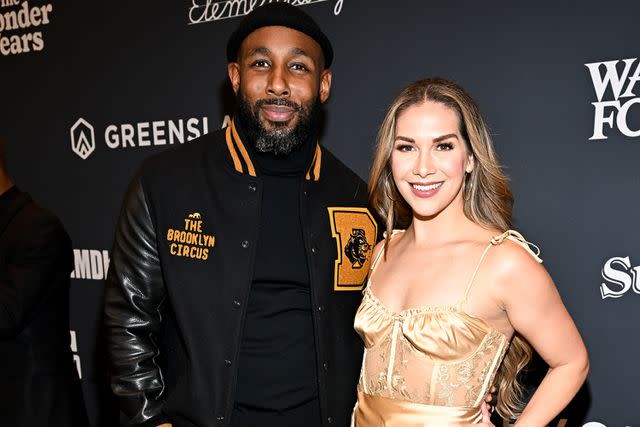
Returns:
(455, 299)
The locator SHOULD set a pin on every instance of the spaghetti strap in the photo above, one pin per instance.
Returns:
(376, 259)
(378, 256)
(475, 272)
(515, 237)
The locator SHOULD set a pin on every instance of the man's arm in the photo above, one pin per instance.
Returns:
(133, 300)
(40, 258)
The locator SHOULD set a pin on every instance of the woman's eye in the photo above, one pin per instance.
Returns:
(444, 146)
(404, 147)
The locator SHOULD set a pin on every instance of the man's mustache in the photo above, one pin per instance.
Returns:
(280, 102)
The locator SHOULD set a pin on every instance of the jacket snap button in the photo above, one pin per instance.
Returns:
(245, 244)
(314, 250)
(252, 187)
(220, 418)
(227, 362)
(330, 420)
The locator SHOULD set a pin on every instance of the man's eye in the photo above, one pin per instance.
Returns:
(299, 67)
(260, 63)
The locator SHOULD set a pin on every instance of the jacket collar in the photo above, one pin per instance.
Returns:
(243, 164)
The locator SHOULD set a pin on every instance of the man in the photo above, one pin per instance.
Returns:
(238, 259)
(39, 384)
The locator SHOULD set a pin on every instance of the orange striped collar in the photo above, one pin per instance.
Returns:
(242, 161)
(314, 169)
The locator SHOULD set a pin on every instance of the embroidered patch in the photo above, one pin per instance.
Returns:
(191, 241)
(355, 232)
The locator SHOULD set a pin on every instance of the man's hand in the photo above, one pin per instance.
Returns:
(165, 425)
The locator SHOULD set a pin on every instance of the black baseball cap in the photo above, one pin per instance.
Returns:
(278, 14)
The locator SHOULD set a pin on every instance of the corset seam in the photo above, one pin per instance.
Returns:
(363, 380)
(392, 356)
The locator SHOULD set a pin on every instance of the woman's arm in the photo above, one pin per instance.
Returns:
(535, 310)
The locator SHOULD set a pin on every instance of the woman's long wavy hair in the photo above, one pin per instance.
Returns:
(487, 199)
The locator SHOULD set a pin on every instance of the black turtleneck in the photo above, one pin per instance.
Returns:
(277, 380)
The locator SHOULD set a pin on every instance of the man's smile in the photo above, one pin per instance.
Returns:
(277, 113)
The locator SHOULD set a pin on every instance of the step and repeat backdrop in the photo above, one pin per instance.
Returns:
(89, 89)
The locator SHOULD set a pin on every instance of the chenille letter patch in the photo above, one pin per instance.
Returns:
(355, 231)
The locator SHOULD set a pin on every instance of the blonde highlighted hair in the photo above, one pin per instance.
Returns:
(487, 198)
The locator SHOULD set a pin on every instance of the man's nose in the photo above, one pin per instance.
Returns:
(278, 84)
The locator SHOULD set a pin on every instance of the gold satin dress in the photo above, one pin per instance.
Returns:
(428, 366)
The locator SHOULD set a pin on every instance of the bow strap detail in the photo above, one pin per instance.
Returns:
(516, 237)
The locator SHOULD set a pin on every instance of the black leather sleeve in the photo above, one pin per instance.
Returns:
(133, 313)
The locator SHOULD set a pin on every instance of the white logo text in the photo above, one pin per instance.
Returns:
(621, 80)
(216, 10)
(74, 349)
(91, 264)
(22, 20)
(618, 271)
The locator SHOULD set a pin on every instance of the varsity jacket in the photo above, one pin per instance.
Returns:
(181, 271)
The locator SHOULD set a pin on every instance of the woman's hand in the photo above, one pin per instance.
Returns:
(489, 398)
(486, 417)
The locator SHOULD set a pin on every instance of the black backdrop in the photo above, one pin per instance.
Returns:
(155, 72)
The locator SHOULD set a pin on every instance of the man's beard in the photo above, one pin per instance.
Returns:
(280, 139)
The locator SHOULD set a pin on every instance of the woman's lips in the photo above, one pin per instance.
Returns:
(425, 190)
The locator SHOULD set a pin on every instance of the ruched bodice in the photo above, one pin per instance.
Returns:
(427, 366)
(444, 333)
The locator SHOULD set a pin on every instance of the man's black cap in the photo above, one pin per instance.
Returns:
(280, 14)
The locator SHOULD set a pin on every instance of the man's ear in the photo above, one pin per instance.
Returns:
(325, 85)
(233, 69)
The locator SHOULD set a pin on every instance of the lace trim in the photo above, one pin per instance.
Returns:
(466, 372)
